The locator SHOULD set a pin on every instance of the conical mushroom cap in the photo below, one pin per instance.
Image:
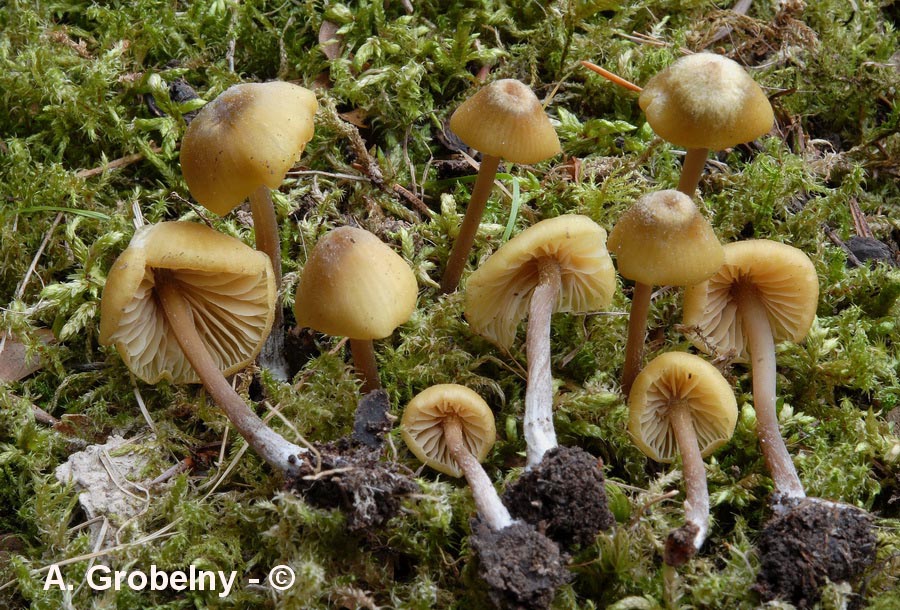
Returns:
(505, 119)
(706, 101)
(783, 278)
(676, 380)
(663, 240)
(247, 137)
(499, 292)
(422, 425)
(354, 285)
(230, 288)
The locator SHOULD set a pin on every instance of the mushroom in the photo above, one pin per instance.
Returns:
(354, 285)
(450, 428)
(702, 102)
(503, 120)
(705, 102)
(662, 240)
(185, 303)
(241, 145)
(765, 292)
(682, 403)
(560, 264)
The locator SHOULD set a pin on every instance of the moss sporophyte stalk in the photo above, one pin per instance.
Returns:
(170, 402)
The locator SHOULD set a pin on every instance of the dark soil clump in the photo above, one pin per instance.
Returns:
(564, 496)
(811, 541)
(521, 566)
(680, 545)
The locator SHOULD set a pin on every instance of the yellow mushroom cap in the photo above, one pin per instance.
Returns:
(783, 278)
(498, 293)
(422, 425)
(663, 240)
(247, 137)
(354, 285)
(706, 101)
(505, 119)
(676, 380)
(229, 285)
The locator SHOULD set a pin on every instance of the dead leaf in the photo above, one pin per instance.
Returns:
(14, 361)
(330, 41)
(356, 117)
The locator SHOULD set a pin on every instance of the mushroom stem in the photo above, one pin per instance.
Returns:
(540, 437)
(637, 329)
(696, 501)
(691, 169)
(363, 352)
(271, 446)
(762, 365)
(487, 501)
(484, 183)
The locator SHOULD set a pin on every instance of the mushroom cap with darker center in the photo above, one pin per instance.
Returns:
(782, 278)
(663, 240)
(677, 380)
(706, 101)
(422, 425)
(230, 288)
(353, 285)
(249, 136)
(505, 119)
(498, 293)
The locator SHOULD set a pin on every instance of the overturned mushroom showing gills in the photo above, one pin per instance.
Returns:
(241, 145)
(187, 304)
(504, 120)
(558, 265)
(705, 102)
(765, 292)
(681, 403)
(353, 285)
(661, 240)
(450, 428)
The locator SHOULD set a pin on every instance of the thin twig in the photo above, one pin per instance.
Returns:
(115, 164)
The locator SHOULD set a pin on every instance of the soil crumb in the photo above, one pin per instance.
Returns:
(521, 566)
(564, 497)
(372, 421)
(809, 542)
(680, 545)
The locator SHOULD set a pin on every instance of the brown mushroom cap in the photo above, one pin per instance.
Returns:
(663, 240)
(498, 293)
(505, 119)
(706, 101)
(422, 425)
(680, 380)
(782, 277)
(247, 137)
(354, 285)
(229, 286)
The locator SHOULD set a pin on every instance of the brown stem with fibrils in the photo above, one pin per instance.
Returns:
(363, 353)
(637, 329)
(696, 501)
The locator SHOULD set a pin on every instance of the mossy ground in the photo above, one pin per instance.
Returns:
(75, 79)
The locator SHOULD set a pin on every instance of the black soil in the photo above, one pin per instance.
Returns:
(680, 545)
(521, 566)
(810, 541)
(564, 497)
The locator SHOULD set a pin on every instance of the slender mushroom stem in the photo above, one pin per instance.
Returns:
(691, 169)
(271, 446)
(484, 183)
(540, 437)
(762, 354)
(487, 501)
(637, 329)
(265, 227)
(363, 352)
(696, 502)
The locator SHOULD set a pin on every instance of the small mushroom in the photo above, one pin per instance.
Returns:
(504, 120)
(662, 240)
(558, 265)
(354, 285)
(764, 292)
(241, 145)
(705, 102)
(682, 403)
(186, 304)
